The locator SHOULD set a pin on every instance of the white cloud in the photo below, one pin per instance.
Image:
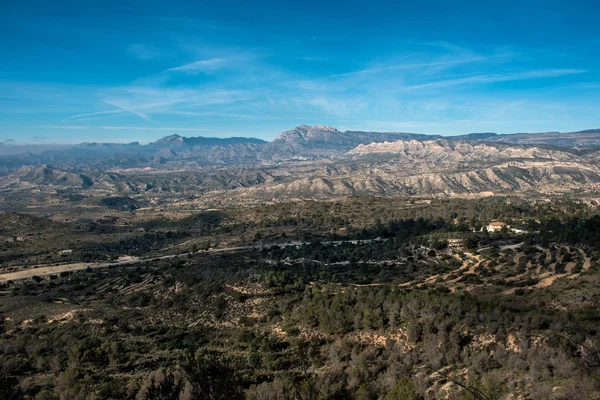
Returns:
(127, 108)
(416, 89)
(123, 128)
(491, 78)
(195, 67)
(411, 66)
(87, 115)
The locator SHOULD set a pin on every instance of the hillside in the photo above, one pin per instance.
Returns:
(46, 175)
(301, 143)
(305, 162)
(443, 151)
(349, 299)
(437, 168)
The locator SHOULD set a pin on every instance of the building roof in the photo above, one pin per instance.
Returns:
(497, 223)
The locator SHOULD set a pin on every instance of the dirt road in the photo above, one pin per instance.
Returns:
(57, 269)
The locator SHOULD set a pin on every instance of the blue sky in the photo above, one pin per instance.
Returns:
(140, 70)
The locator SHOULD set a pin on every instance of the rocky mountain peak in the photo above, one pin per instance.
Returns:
(171, 140)
(306, 132)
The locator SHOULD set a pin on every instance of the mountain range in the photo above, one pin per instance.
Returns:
(303, 142)
(316, 161)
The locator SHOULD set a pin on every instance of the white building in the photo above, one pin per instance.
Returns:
(496, 226)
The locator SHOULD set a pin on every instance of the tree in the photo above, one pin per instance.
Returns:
(212, 377)
(9, 387)
(404, 390)
(167, 389)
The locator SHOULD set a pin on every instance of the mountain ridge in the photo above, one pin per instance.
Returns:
(408, 167)
(300, 143)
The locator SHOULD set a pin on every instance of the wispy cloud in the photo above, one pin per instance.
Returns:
(491, 78)
(145, 128)
(88, 115)
(147, 102)
(123, 128)
(428, 87)
(223, 114)
(411, 66)
(70, 127)
(336, 107)
(199, 66)
(129, 109)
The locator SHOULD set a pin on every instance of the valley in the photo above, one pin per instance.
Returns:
(323, 264)
(299, 200)
(307, 162)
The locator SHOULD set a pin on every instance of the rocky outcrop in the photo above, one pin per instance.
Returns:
(459, 151)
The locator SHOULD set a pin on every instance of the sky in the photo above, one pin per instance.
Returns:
(121, 71)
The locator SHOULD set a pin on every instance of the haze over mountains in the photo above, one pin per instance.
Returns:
(316, 161)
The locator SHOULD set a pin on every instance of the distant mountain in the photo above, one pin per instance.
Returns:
(10, 148)
(301, 143)
(576, 140)
(180, 141)
(335, 164)
(324, 141)
(173, 148)
(205, 150)
(473, 136)
(439, 168)
(169, 141)
(11, 163)
(46, 175)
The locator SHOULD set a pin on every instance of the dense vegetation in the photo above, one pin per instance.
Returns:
(413, 303)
